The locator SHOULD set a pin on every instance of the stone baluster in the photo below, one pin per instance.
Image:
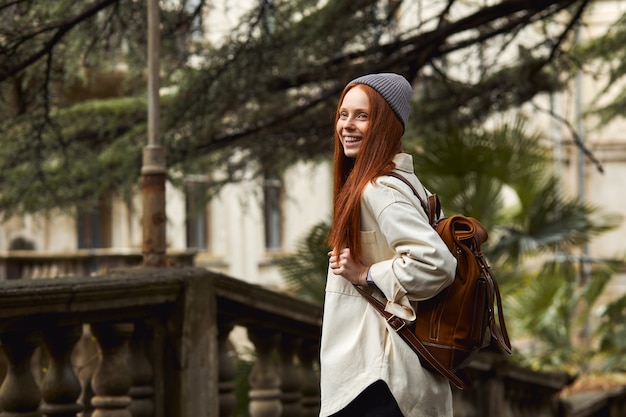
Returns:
(85, 352)
(264, 378)
(19, 393)
(111, 381)
(227, 370)
(309, 355)
(60, 387)
(142, 389)
(497, 405)
(290, 374)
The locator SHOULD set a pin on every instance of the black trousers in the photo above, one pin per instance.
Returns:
(375, 401)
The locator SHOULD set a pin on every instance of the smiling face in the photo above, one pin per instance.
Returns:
(353, 121)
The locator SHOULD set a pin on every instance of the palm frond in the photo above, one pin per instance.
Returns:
(305, 271)
(546, 220)
(611, 334)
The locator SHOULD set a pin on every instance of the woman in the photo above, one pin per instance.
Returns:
(381, 239)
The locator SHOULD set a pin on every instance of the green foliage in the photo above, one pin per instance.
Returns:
(550, 296)
(305, 271)
(612, 336)
(503, 177)
(469, 168)
(242, 386)
(278, 114)
(547, 220)
(96, 161)
(253, 101)
(605, 58)
(558, 310)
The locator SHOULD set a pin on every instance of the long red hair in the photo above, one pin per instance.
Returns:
(379, 145)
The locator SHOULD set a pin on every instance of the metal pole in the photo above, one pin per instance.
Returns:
(585, 266)
(154, 167)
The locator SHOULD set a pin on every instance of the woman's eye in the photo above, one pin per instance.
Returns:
(362, 116)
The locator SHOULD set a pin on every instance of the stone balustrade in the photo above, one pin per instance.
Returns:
(150, 342)
(161, 342)
(30, 264)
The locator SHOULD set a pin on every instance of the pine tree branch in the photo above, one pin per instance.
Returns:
(60, 30)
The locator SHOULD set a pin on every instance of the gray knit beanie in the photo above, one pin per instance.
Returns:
(394, 88)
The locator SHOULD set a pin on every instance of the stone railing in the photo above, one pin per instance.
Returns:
(161, 342)
(153, 342)
(606, 402)
(504, 389)
(28, 264)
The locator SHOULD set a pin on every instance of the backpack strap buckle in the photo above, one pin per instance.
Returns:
(396, 323)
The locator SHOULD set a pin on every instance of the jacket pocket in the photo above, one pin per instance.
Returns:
(372, 252)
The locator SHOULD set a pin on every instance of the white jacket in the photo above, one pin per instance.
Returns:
(408, 261)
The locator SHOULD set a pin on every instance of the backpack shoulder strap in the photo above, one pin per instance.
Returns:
(459, 378)
(432, 207)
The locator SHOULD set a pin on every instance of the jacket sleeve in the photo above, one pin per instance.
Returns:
(419, 264)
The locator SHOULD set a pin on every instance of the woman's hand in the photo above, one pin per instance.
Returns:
(342, 263)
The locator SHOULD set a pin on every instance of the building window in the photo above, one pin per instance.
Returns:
(94, 225)
(272, 213)
(197, 216)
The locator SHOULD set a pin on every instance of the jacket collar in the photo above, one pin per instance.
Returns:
(404, 162)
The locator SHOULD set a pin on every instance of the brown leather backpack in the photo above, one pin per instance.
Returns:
(454, 325)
